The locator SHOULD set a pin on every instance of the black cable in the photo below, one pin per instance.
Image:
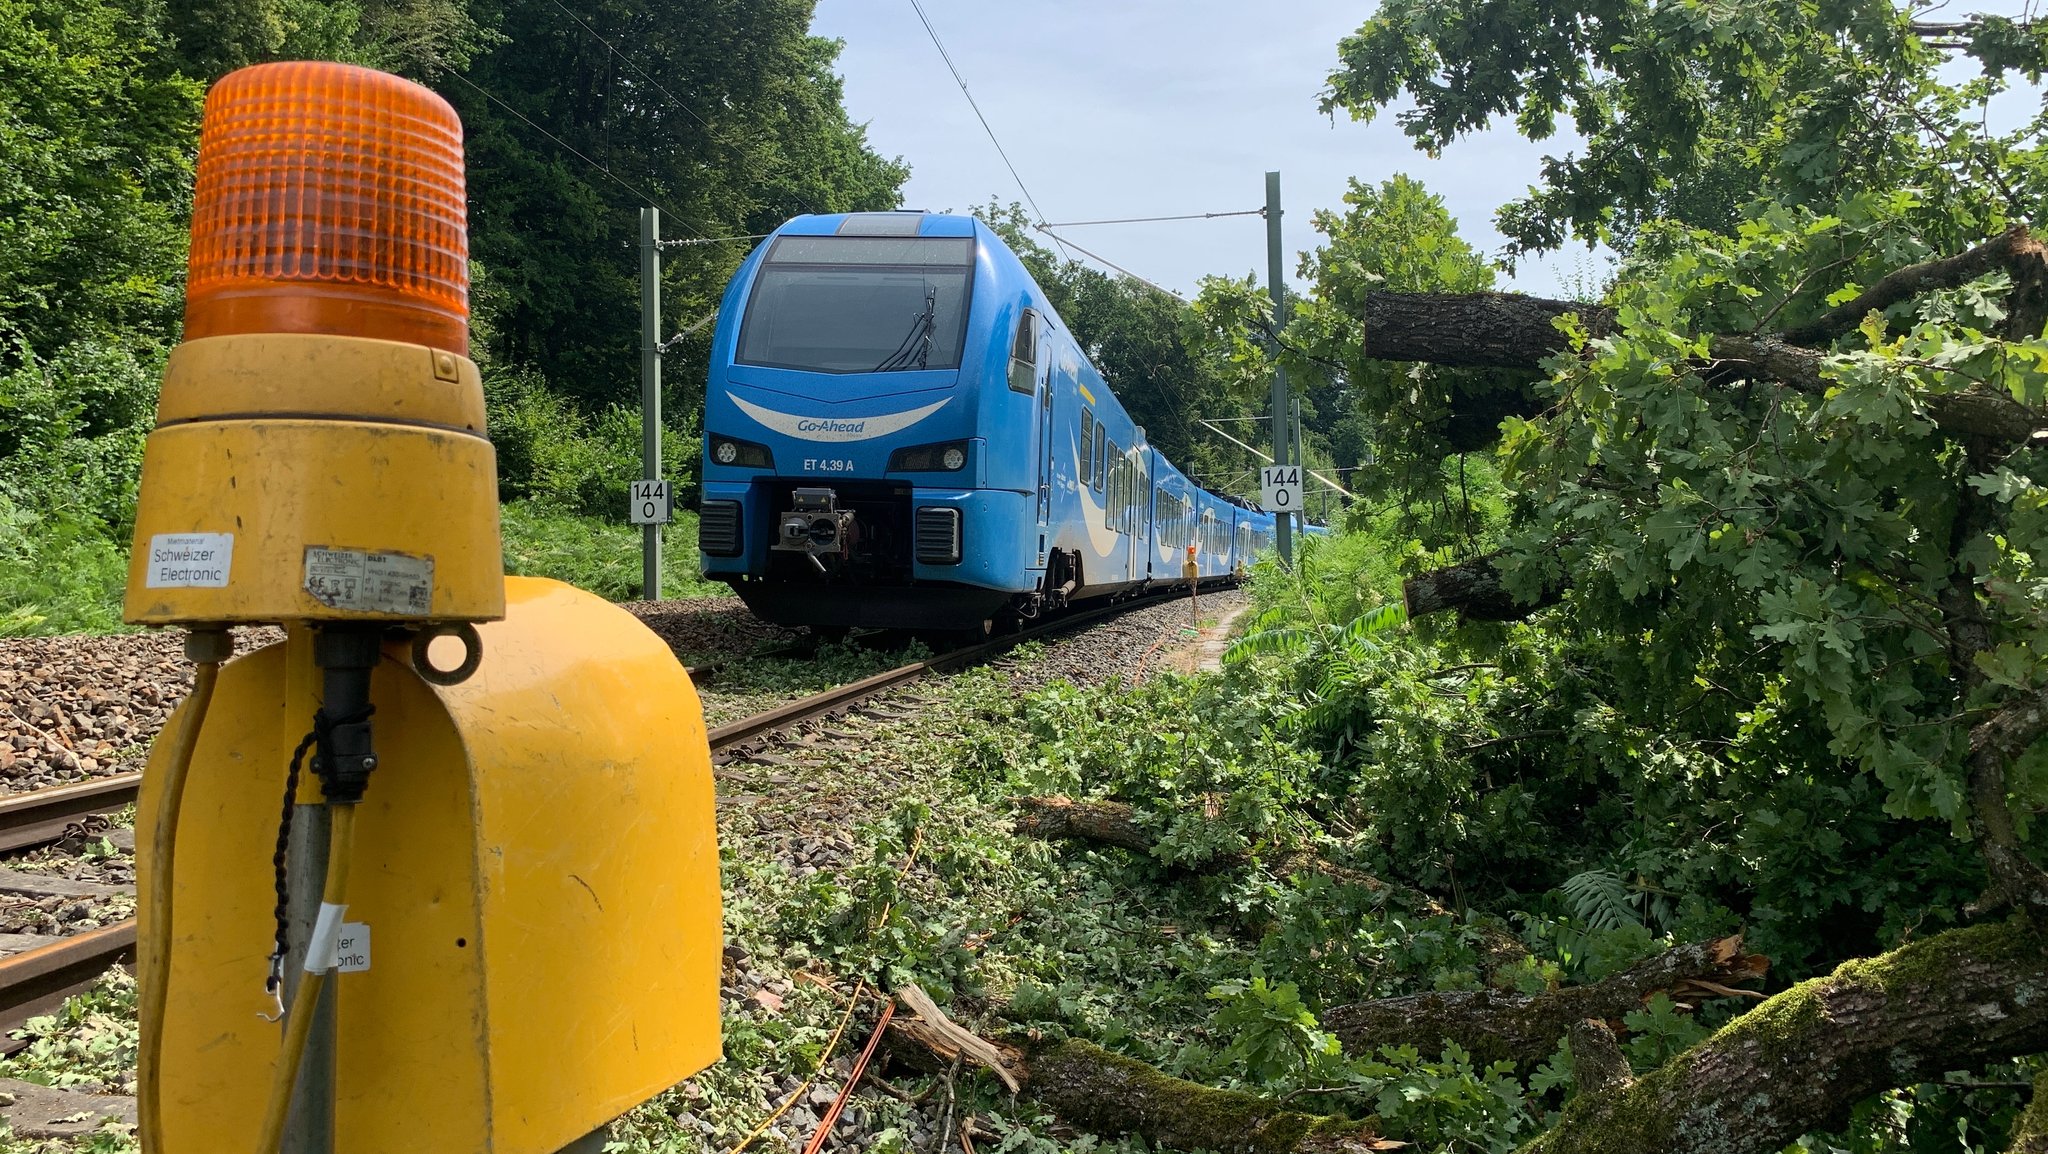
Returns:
(634, 66)
(644, 198)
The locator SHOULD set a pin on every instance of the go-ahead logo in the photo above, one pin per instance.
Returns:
(830, 429)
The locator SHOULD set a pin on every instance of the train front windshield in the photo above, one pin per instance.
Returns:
(859, 304)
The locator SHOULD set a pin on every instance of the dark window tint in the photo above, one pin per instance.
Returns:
(1087, 445)
(859, 304)
(1024, 354)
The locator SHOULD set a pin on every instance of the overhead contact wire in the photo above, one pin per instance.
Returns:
(1099, 259)
(630, 63)
(1153, 219)
(971, 103)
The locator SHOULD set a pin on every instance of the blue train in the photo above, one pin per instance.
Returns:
(900, 432)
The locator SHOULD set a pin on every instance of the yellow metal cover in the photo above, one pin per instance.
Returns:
(259, 520)
(296, 476)
(537, 865)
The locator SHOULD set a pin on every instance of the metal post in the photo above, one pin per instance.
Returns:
(650, 390)
(309, 1127)
(1276, 285)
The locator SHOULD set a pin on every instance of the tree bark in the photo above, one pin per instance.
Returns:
(2011, 250)
(2030, 1131)
(1109, 1093)
(1525, 1028)
(1994, 744)
(1801, 1060)
(1091, 1088)
(1474, 589)
(1597, 1061)
(1508, 330)
(1497, 330)
(1115, 823)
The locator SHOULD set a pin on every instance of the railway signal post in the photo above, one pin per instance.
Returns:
(467, 929)
(1276, 285)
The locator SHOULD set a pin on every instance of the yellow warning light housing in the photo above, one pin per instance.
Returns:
(320, 450)
(537, 872)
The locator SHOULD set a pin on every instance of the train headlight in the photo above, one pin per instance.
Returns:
(741, 454)
(945, 457)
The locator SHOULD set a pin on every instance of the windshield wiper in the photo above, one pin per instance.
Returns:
(917, 344)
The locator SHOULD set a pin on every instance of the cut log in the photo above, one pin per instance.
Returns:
(1116, 823)
(1093, 1089)
(1107, 1093)
(1802, 1060)
(1526, 1028)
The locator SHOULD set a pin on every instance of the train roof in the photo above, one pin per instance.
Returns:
(898, 223)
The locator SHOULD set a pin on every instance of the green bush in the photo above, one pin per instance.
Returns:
(599, 555)
(71, 431)
(555, 455)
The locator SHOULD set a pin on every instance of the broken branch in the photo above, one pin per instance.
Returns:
(1525, 1028)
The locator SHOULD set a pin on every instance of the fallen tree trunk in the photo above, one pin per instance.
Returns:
(1509, 330)
(1116, 823)
(1475, 590)
(1091, 1088)
(1801, 1060)
(1525, 1028)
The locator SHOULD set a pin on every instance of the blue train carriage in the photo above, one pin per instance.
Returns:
(900, 432)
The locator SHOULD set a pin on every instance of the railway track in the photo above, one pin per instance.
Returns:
(36, 981)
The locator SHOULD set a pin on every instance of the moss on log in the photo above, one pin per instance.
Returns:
(2030, 1132)
(1526, 1028)
(1096, 1090)
(1799, 1061)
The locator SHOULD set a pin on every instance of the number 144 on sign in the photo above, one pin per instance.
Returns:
(1281, 486)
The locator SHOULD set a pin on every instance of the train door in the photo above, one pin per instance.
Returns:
(1046, 380)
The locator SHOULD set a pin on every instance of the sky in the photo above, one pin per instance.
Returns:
(1123, 108)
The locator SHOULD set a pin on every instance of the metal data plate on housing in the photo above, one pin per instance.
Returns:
(647, 502)
(1281, 488)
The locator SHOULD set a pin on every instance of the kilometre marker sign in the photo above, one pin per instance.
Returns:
(1281, 488)
(647, 503)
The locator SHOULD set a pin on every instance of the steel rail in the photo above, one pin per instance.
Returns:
(37, 981)
(41, 816)
(732, 735)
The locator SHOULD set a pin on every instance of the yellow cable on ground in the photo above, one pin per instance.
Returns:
(208, 649)
(299, 1024)
(852, 1004)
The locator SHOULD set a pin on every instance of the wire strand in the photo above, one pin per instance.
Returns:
(679, 103)
(971, 103)
(1112, 264)
(644, 198)
(1152, 219)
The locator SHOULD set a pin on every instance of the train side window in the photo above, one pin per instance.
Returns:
(1087, 445)
(1101, 458)
(1109, 505)
(1024, 354)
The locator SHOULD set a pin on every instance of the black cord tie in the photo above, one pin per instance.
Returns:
(323, 728)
